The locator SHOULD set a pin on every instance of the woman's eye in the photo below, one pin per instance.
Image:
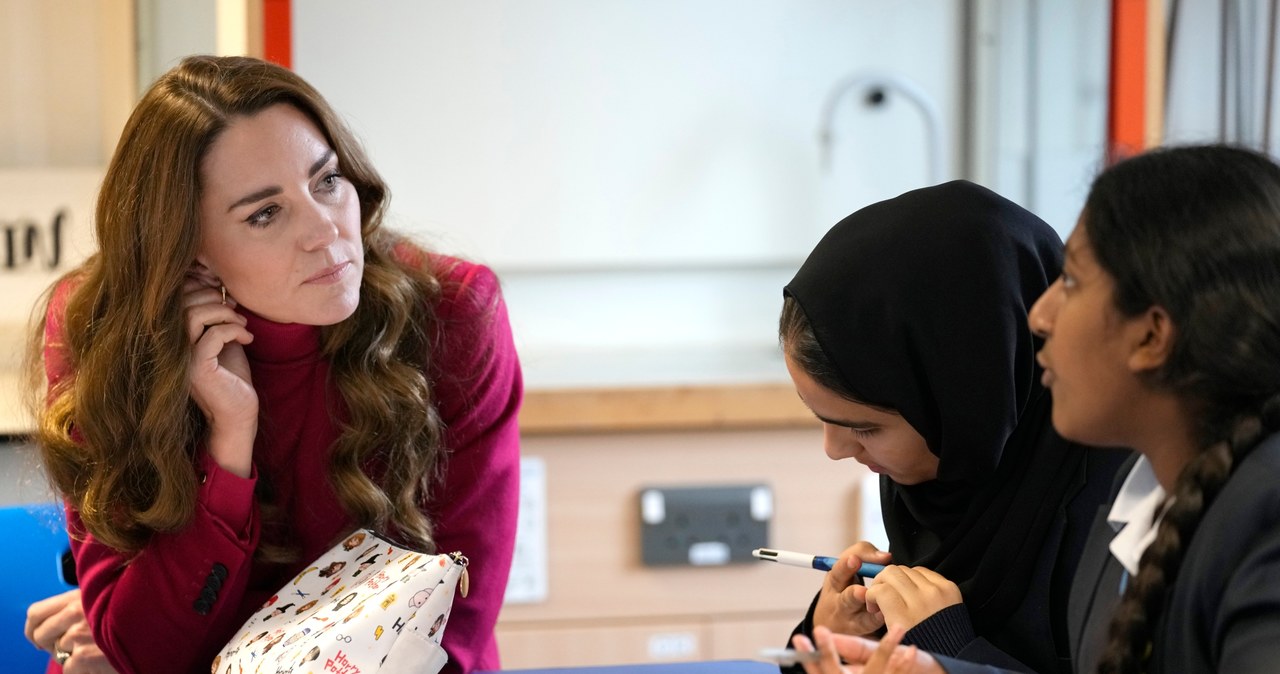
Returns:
(330, 182)
(1068, 281)
(262, 217)
(863, 433)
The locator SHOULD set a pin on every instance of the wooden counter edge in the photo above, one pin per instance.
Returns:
(598, 410)
(769, 405)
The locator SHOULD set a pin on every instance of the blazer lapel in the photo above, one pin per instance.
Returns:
(1095, 592)
(1084, 586)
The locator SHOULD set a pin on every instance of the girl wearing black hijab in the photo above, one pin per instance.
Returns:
(905, 331)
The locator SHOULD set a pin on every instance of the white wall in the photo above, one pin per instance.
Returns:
(645, 175)
(1040, 90)
(168, 31)
(1196, 95)
(642, 173)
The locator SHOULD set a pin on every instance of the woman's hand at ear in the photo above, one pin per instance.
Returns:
(221, 384)
(907, 595)
(842, 606)
(865, 656)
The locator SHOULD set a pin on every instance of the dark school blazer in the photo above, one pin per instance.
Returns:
(1224, 612)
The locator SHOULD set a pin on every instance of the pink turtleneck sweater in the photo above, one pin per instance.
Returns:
(142, 612)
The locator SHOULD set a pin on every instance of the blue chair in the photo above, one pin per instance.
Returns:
(31, 566)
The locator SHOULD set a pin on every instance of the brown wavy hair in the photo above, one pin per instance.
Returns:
(119, 433)
(1195, 230)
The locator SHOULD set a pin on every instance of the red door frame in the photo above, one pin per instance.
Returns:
(277, 32)
(1127, 113)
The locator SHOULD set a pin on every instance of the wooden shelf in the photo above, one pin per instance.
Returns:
(687, 407)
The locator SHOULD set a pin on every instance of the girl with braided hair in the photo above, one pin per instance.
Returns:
(1163, 334)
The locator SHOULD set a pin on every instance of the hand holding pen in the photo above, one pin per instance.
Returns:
(865, 569)
(841, 604)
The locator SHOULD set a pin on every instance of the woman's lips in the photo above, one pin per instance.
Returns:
(1046, 375)
(330, 274)
(872, 467)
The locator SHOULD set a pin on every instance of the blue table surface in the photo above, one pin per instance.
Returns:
(710, 667)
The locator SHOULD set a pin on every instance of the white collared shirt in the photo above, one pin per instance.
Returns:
(1133, 515)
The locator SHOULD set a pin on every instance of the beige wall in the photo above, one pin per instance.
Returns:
(603, 606)
(67, 84)
(66, 80)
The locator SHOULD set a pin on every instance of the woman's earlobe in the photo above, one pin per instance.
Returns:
(1152, 349)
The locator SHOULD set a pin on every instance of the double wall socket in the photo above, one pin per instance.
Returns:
(704, 525)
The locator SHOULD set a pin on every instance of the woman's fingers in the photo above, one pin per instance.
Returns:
(845, 654)
(928, 587)
(217, 336)
(907, 596)
(845, 570)
(49, 619)
(203, 300)
(77, 634)
(201, 317)
(930, 576)
(195, 292)
(863, 655)
(868, 552)
(884, 651)
(88, 660)
(829, 660)
(802, 645)
(845, 611)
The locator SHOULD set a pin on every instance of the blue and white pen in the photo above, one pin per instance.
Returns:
(867, 570)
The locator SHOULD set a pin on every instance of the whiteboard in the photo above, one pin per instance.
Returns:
(557, 134)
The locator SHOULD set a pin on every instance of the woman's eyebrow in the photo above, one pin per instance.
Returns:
(315, 168)
(255, 196)
(846, 422)
(272, 191)
(1072, 252)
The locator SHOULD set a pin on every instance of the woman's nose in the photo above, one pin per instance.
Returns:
(837, 445)
(1040, 318)
(320, 230)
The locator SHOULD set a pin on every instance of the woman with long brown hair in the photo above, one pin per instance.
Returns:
(251, 366)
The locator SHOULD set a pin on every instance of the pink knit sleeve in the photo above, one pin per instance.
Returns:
(57, 360)
(478, 390)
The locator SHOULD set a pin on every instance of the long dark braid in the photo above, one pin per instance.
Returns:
(1133, 625)
(1195, 230)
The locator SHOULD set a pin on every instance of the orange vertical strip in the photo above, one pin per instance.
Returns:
(277, 32)
(1126, 114)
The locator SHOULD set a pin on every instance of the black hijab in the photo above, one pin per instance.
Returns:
(920, 302)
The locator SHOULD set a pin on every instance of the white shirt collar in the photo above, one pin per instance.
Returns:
(1133, 515)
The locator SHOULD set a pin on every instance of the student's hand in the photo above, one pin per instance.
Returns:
(220, 381)
(842, 606)
(907, 595)
(865, 656)
(57, 624)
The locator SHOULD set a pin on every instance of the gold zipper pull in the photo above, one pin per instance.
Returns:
(464, 583)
